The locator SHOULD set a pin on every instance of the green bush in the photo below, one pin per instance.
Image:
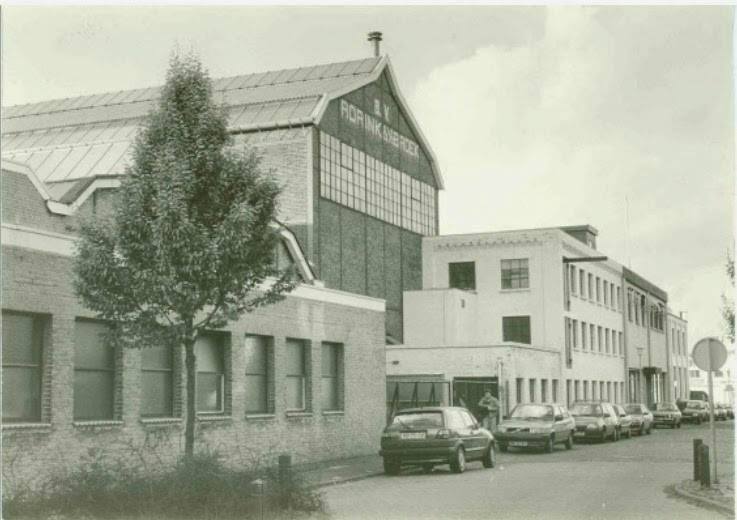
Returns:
(202, 487)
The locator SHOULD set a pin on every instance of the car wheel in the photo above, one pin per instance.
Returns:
(458, 464)
(489, 460)
(549, 445)
(391, 467)
(502, 447)
(603, 436)
(569, 441)
(649, 430)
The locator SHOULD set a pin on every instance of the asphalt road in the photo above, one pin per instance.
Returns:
(625, 479)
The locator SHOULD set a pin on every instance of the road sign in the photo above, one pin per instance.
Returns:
(709, 354)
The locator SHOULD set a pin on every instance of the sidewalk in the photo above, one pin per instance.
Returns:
(719, 496)
(335, 471)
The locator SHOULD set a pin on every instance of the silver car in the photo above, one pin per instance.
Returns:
(642, 418)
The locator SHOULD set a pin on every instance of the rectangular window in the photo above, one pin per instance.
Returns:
(210, 378)
(515, 274)
(462, 275)
(94, 372)
(259, 374)
(621, 346)
(517, 329)
(574, 333)
(619, 298)
(555, 390)
(577, 390)
(585, 389)
(573, 280)
(599, 338)
(583, 334)
(601, 390)
(543, 390)
(23, 338)
(157, 385)
(569, 395)
(592, 336)
(332, 376)
(609, 392)
(296, 375)
(606, 292)
(612, 304)
(582, 282)
(607, 340)
(591, 286)
(598, 290)
(533, 384)
(518, 388)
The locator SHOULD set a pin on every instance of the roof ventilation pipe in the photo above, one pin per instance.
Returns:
(375, 36)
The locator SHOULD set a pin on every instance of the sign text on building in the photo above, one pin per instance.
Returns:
(377, 128)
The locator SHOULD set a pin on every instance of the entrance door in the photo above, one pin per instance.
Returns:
(468, 391)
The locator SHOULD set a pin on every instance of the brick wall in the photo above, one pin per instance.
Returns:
(40, 282)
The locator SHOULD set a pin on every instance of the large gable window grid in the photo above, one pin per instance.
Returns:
(157, 385)
(22, 365)
(515, 273)
(95, 367)
(395, 197)
(516, 329)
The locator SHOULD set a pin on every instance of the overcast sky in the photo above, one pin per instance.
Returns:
(622, 118)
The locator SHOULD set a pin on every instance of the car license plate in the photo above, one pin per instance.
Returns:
(413, 435)
(579, 434)
(518, 443)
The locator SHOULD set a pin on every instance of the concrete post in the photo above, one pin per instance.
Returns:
(696, 463)
(705, 470)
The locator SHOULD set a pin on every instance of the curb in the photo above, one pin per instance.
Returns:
(678, 489)
(343, 480)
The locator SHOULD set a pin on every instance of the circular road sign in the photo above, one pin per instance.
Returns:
(709, 354)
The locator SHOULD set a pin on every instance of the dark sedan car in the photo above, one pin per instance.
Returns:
(435, 435)
(666, 414)
(536, 426)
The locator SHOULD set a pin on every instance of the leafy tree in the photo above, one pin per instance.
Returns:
(728, 303)
(190, 243)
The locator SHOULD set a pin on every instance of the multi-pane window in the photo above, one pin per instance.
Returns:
(607, 341)
(620, 343)
(22, 366)
(554, 396)
(600, 340)
(577, 389)
(332, 367)
(259, 352)
(598, 289)
(94, 372)
(157, 381)
(462, 275)
(592, 336)
(354, 179)
(574, 333)
(516, 328)
(591, 286)
(296, 375)
(606, 292)
(210, 379)
(619, 299)
(569, 395)
(515, 274)
(611, 295)
(586, 389)
(519, 382)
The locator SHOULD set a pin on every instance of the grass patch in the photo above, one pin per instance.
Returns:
(199, 488)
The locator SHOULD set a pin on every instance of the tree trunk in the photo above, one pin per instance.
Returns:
(189, 361)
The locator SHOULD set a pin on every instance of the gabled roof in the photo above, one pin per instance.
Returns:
(92, 136)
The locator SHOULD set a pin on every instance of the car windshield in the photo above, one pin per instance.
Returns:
(634, 409)
(418, 420)
(666, 407)
(532, 411)
(592, 410)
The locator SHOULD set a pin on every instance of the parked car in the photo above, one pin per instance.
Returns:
(695, 411)
(720, 414)
(667, 414)
(625, 421)
(595, 420)
(435, 435)
(729, 412)
(536, 426)
(642, 418)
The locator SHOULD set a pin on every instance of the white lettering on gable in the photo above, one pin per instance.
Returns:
(376, 128)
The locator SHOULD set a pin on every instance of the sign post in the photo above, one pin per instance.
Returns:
(710, 354)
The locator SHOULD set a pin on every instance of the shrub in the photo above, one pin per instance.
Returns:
(200, 487)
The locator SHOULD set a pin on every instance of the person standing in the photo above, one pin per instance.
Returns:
(491, 405)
